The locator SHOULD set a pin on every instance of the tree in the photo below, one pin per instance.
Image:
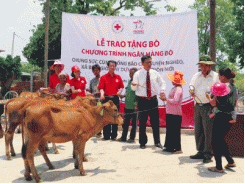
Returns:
(225, 25)
(28, 68)
(10, 70)
(34, 50)
(236, 38)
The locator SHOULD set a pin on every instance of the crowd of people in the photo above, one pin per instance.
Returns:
(214, 113)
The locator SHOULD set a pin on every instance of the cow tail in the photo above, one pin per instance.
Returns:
(5, 112)
(24, 145)
(24, 149)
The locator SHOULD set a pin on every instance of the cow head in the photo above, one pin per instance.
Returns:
(109, 112)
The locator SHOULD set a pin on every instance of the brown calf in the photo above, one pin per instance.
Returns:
(60, 124)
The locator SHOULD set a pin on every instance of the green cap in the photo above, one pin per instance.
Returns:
(206, 60)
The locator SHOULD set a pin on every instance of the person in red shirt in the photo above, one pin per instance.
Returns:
(54, 79)
(77, 83)
(111, 86)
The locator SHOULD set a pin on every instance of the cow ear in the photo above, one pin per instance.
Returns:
(100, 109)
(102, 112)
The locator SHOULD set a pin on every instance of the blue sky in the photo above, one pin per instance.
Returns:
(20, 16)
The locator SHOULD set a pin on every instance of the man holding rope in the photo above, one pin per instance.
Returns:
(145, 83)
(200, 84)
(111, 86)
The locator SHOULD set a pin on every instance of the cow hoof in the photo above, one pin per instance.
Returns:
(9, 157)
(83, 173)
(51, 167)
(85, 159)
(76, 166)
(28, 178)
(13, 154)
(46, 149)
(56, 152)
(39, 181)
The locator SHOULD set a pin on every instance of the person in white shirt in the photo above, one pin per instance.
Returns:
(200, 85)
(145, 84)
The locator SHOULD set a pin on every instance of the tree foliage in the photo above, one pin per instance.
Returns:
(10, 70)
(28, 68)
(34, 50)
(226, 30)
(235, 38)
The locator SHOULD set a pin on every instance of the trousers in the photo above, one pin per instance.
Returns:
(148, 107)
(110, 131)
(220, 128)
(129, 115)
(203, 129)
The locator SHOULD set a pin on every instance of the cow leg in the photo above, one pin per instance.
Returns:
(41, 148)
(81, 157)
(1, 131)
(12, 147)
(55, 149)
(46, 147)
(27, 173)
(9, 138)
(32, 146)
(74, 155)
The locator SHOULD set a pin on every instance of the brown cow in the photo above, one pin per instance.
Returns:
(15, 108)
(59, 125)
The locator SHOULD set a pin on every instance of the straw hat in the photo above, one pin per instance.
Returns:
(75, 69)
(57, 62)
(177, 77)
(220, 89)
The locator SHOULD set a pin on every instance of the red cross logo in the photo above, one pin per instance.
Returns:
(117, 27)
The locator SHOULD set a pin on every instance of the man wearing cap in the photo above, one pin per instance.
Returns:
(145, 84)
(200, 84)
(111, 86)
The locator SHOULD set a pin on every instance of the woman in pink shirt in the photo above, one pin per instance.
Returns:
(174, 113)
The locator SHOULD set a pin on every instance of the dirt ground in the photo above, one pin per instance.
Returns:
(116, 162)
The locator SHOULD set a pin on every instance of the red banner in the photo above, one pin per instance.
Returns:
(187, 114)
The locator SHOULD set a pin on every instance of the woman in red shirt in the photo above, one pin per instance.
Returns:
(77, 83)
(54, 79)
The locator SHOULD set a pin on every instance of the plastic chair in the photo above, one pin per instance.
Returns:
(9, 95)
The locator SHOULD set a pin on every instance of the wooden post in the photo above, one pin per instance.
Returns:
(212, 32)
(46, 45)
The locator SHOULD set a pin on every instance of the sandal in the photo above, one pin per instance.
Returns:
(214, 169)
(228, 166)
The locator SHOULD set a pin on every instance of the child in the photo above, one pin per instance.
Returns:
(130, 107)
(225, 76)
(174, 113)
